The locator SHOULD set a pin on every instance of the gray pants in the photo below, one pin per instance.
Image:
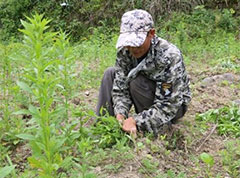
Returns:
(142, 91)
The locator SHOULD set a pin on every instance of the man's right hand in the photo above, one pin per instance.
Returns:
(120, 118)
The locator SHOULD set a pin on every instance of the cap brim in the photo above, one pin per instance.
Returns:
(132, 39)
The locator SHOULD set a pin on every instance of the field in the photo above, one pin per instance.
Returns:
(49, 89)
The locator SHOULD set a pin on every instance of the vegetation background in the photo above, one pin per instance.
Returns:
(52, 57)
(80, 17)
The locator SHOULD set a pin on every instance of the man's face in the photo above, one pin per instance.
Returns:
(139, 51)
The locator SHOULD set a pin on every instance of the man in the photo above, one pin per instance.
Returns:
(149, 73)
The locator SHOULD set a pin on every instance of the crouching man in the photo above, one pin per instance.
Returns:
(149, 73)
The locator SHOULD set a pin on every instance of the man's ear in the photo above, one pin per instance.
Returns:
(151, 33)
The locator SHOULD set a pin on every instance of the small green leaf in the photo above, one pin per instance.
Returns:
(35, 163)
(26, 136)
(66, 162)
(207, 159)
(33, 110)
(22, 111)
(6, 171)
(140, 144)
(24, 87)
(15, 142)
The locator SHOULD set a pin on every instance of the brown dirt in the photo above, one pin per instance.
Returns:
(19, 156)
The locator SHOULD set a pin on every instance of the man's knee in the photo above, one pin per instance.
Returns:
(109, 73)
(180, 113)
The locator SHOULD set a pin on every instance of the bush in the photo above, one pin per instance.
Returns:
(200, 23)
(80, 17)
(74, 17)
(11, 13)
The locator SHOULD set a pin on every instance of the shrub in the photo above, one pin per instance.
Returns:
(80, 17)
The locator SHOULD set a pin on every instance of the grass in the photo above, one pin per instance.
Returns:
(61, 145)
(94, 56)
(230, 158)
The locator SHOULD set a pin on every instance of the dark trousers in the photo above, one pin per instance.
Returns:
(142, 91)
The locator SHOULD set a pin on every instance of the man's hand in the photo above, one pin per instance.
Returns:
(129, 125)
(120, 118)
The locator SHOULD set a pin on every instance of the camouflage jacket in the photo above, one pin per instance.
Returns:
(163, 64)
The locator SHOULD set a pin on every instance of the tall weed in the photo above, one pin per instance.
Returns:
(41, 80)
(10, 124)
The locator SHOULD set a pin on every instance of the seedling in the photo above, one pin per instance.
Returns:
(208, 160)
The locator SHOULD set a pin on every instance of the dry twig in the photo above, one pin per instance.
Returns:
(207, 137)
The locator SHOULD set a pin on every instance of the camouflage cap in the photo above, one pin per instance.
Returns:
(134, 27)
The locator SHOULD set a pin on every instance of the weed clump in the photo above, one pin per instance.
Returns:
(107, 132)
(226, 118)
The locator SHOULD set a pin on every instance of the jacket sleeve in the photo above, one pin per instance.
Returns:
(168, 97)
(120, 93)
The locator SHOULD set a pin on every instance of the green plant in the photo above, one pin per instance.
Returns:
(85, 145)
(10, 124)
(231, 157)
(227, 118)
(66, 69)
(230, 62)
(209, 161)
(113, 167)
(42, 84)
(107, 132)
(6, 82)
(149, 166)
(173, 175)
(226, 21)
(6, 171)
